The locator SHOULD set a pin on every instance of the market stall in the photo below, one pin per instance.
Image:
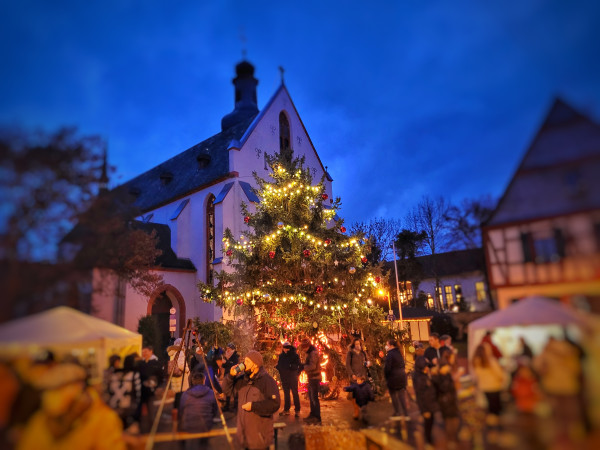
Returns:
(68, 332)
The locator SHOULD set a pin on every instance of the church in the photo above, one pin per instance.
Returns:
(192, 198)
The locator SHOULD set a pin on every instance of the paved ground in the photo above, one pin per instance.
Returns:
(515, 432)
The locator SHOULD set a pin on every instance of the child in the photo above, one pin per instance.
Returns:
(524, 389)
(197, 409)
(362, 393)
(425, 393)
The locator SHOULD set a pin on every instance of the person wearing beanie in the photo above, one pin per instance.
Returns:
(258, 397)
(288, 366)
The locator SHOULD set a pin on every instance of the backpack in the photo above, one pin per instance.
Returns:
(174, 368)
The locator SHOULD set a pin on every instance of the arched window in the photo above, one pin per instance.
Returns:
(285, 146)
(210, 238)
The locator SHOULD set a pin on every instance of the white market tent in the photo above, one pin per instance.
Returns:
(533, 318)
(66, 331)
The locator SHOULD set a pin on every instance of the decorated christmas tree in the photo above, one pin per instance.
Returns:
(296, 270)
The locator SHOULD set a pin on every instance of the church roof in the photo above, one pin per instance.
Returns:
(187, 172)
(559, 172)
(168, 259)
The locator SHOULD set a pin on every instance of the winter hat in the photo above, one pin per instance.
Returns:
(287, 344)
(255, 357)
(231, 345)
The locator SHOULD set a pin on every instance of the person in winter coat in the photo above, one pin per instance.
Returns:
(356, 361)
(488, 339)
(125, 392)
(179, 383)
(72, 415)
(490, 378)
(258, 397)
(395, 377)
(231, 359)
(446, 395)
(559, 369)
(197, 409)
(152, 375)
(312, 367)
(426, 396)
(356, 365)
(524, 388)
(362, 392)
(288, 366)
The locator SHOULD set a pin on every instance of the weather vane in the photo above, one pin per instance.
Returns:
(243, 42)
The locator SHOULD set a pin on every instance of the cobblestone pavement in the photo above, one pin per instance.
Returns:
(514, 432)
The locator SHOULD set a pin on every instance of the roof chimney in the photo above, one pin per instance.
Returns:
(245, 96)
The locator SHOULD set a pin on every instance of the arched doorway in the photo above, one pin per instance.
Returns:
(160, 312)
(162, 302)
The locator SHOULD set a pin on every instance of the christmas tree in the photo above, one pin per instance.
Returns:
(296, 270)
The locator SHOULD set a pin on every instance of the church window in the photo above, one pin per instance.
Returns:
(284, 135)
(210, 239)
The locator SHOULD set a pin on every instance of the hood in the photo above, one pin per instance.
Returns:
(199, 391)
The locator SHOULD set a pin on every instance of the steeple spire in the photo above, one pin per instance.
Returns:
(245, 95)
(103, 180)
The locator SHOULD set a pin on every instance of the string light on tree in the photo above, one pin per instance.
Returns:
(296, 254)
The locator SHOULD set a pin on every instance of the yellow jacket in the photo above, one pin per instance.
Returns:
(98, 428)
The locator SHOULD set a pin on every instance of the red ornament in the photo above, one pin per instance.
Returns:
(306, 253)
(377, 279)
(327, 241)
(343, 229)
(271, 254)
(229, 252)
(324, 196)
(240, 301)
(319, 289)
(247, 219)
(364, 259)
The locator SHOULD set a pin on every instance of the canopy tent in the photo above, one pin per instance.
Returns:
(533, 318)
(64, 331)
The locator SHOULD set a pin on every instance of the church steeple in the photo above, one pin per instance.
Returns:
(245, 95)
(103, 180)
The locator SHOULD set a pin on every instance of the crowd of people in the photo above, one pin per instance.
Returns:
(58, 406)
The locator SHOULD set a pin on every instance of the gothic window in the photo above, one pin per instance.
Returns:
(284, 135)
(210, 238)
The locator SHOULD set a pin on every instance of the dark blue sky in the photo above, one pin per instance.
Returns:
(401, 98)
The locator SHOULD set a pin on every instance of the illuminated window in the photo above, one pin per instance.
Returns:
(430, 300)
(458, 292)
(449, 297)
(480, 289)
(406, 294)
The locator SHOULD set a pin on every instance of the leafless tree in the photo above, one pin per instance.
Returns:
(464, 221)
(428, 216)
(381, 232)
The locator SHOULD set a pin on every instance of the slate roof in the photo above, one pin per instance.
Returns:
(450, 263)
(559, 172)
(168, 259)
(185, 170)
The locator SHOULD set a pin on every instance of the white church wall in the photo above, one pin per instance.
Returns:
(137, 304)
